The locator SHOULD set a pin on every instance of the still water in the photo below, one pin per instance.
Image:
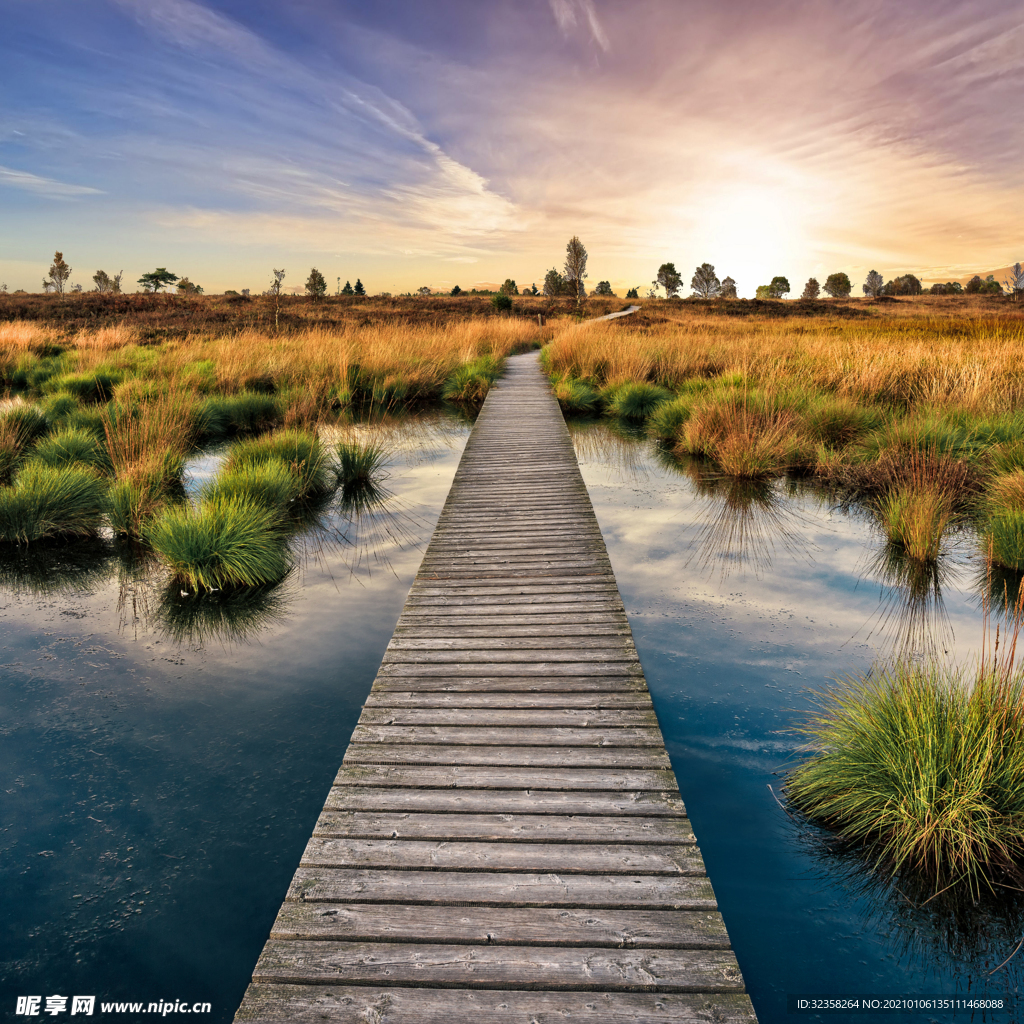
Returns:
(744, 600)
(165, 759)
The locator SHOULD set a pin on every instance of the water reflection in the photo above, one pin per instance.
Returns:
(613, 443)
(972, 936)
(234, 616)
(52, 568)
(911, 621)
(742, 520)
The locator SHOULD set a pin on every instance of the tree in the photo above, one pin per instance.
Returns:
(603, 288)
(359, 289)
(105, 283)
(778, 288)
(838, 286)
(575, 267)
(186, 287)
(316, 285)
(554, 283)
(633, 293)
(669, 278)
(873, 284)
(1015, 284)
(949, 288)
(762, 291)
(347, 290)
(456, 290)
(811, 289)
(990, 286)
(905, 285)
(728, 289)
(157, 279)
(509, 287)
(705, 283)
(502, 302)
(533, 289)
(425, 290)
(59, 274)
(275, 290)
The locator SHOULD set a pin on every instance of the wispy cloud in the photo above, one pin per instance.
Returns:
(49, 187)
(570, 14)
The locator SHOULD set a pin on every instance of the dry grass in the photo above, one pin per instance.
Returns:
(968, 363)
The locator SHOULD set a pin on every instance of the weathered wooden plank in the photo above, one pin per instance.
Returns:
(555, 700)
(503, 736)
(503, 926)
(460, 855)
(484, 683)
(534, 719)
(508, 828)
(500, 644)
(505, 801)
(548, 757)
(502, 629)
(303, 1004)
(536, 779)
(555, 663)
(543, 967)
(512, 889)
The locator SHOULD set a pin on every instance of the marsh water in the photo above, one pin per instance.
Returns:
(165, 757)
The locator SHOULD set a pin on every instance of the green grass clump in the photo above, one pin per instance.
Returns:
(836, 422)
(67, 446)
(271, 484)
(357, 463)
(299, 450)
(59, 406)
(51, 501)
(923, 767)
(245, 413)
(575, 397)
(133, 500)
(668, 420)
(471, 381)
(86, 387)
(19, 427)
(637, 401)
(915, 520)
(223, 542)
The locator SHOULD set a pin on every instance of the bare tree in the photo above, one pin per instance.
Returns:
(575, 267)
(705, 283)
(1015, 284)
(874, 284)
(59, 274)
(275, 290)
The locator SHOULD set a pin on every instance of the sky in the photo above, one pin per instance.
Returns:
(442, 142)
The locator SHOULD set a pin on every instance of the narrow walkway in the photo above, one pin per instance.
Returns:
(505, 841)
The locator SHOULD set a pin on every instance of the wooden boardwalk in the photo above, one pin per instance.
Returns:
(505, 840)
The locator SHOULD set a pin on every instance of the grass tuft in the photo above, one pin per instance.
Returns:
(67, 446)
(360, 463)
(471, 381)
(576, 397)
(51, 501)
(270, 484)
(223, 542)
(637, 401)
(299, 450)
(923, 767)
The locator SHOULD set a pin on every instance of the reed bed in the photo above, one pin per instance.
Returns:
(919, 416)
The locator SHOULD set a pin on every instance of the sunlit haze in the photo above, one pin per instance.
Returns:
(444, 143)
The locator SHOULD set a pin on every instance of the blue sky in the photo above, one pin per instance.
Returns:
(453, 142)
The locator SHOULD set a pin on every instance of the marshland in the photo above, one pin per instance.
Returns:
(815, 513)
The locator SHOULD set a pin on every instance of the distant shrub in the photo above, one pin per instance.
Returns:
(501, 302)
